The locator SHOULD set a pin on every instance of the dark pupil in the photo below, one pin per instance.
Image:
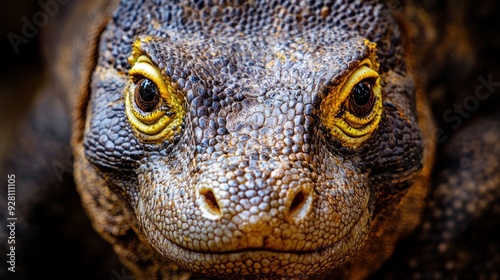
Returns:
(361, 94)
(147, 90)
(147, 96)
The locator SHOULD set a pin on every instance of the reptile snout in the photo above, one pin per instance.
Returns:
(257, 218)
(257, 204)
(295, 204)
(241, 208)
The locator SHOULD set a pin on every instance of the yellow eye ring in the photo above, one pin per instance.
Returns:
(164, 116)
(353, 110)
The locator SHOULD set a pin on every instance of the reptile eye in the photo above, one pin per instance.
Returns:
(154, 108)
(147, 95)
(352, 110)
(362, 99)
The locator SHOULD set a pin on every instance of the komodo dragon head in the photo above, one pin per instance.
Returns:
(269, 139)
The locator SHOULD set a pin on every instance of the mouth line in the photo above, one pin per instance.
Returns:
(260, 249)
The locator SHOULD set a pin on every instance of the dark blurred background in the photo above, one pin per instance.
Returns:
(54, 240)
(61, 249)
(21, 72)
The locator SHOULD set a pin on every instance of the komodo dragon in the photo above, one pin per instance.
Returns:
(275, 139)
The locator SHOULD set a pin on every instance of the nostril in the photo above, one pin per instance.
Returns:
(210, 198)
(297, 201)
(300, 205)
(209, 202)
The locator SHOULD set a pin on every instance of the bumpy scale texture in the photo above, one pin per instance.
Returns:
(253, 183)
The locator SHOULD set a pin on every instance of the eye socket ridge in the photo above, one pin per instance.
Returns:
(360, 90)
(144, 69)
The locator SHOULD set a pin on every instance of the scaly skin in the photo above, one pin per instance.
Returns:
(254, 182)
(262, 169)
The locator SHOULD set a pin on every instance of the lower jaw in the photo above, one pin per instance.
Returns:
(270, 264)
(261, 263)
